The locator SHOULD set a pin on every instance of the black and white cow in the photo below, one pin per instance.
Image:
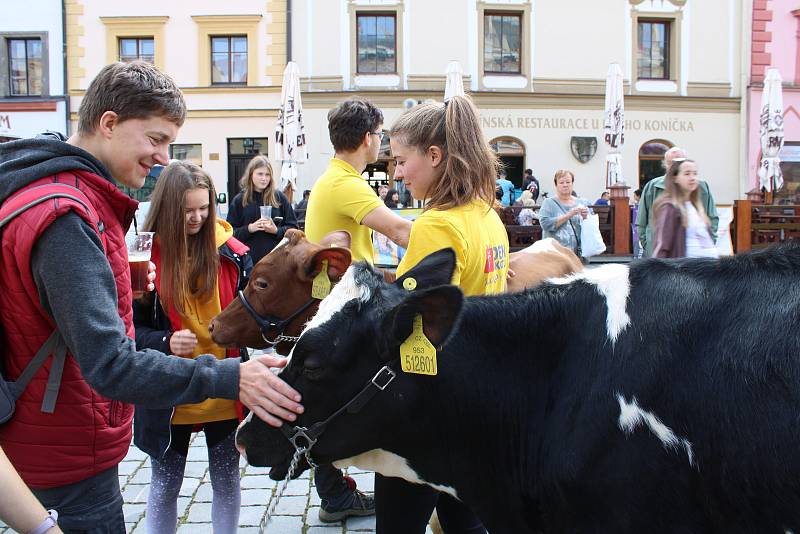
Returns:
(660, 397)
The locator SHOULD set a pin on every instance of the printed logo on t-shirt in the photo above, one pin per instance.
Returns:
(495, 259)
(488, 265)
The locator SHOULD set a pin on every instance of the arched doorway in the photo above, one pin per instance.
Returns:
(651, 156)
(511, 152)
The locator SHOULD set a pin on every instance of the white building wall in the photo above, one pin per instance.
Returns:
(576, 39)
(39, 16)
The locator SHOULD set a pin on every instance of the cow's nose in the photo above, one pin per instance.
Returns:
(211, 326)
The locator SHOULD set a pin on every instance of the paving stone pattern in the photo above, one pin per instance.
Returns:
(296, 513)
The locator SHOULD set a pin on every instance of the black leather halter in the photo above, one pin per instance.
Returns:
(303, 438)
(266, 322)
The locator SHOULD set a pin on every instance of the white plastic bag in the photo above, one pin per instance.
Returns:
(591, 240)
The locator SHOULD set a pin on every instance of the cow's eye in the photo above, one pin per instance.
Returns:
(312, 369)
(260, 283)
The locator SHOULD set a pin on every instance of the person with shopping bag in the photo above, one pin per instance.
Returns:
(562, 214)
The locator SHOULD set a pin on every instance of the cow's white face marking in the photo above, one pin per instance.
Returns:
(543, 245)
(343, 292)
(281, 244)
(632, 415)
(613, 283)
(391, 465)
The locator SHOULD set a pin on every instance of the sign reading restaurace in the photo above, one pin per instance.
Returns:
(563, 123)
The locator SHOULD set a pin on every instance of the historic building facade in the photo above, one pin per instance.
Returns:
(227, 57)
(776, 43)
(536, 70)
(32, 85)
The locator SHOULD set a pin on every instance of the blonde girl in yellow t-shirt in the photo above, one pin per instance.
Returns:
(443, 158)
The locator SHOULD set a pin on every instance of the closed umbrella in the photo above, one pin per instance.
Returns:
(769, 172)
(614, 125)
(454, 82)
(290, 135)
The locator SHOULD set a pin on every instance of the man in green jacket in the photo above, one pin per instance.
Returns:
(653, 189)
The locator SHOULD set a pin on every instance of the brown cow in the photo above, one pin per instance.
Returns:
(544, 259)
(280, 288)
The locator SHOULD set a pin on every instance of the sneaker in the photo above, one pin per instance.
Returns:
(358, 504)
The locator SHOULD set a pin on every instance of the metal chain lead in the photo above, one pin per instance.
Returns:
(298, 453)
(291, 339)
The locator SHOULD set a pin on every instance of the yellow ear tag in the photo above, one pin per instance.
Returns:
(321, 286)
(417, 353)
(410, 284)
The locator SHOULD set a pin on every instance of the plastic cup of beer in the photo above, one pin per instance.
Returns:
(139, 247)
(266, 212)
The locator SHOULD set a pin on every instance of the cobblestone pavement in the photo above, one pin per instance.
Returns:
(296, 513)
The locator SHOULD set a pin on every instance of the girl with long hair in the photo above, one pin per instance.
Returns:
(259, 188)
(444, 159)
(682, 228)
(200, 267)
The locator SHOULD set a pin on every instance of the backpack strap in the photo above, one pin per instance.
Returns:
(54, 344)
(33, 196)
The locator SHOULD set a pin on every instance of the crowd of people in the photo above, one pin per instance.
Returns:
(156, 353)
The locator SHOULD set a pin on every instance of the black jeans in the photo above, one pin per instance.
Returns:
(91, 506)
(330, 482)
(405, 508)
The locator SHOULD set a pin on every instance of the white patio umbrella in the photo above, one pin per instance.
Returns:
(454, 82)
(769, 172)
(614, 125)
(290, 135)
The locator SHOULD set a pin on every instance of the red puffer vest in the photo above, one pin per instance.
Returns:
(87, 433)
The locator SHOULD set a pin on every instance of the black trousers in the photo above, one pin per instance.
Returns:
(405, 508)
(215, 432)
(91, 506)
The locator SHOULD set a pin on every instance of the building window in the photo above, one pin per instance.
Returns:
(137, 48)
(654, 44)
(25, 66)
(193, 153)
(502, 40)
(229, 59)
(377, 44)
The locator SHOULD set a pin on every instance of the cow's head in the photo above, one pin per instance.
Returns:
(280, 285)
(357, 331)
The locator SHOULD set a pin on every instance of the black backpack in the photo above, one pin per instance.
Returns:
(55, 344)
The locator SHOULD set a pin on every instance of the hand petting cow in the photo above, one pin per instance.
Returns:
(659, 397)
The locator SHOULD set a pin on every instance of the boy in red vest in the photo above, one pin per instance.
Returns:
(64, 265)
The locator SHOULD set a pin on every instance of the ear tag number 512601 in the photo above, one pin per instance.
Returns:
(321, 286)
(417, 353)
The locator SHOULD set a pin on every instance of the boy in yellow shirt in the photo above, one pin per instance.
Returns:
(341, 199)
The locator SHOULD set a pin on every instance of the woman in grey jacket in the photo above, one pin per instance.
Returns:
(561, 216)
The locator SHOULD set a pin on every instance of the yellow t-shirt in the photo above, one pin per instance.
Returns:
(198, 315)
(340, 200)
(478, 237)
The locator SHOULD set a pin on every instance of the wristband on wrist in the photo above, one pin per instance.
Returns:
(49, 522)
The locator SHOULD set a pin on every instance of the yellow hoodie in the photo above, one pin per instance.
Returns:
(198, 315)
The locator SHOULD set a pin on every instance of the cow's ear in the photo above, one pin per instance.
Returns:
(337, 238)
(338, 262)
(435, 269)
(440, 308)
